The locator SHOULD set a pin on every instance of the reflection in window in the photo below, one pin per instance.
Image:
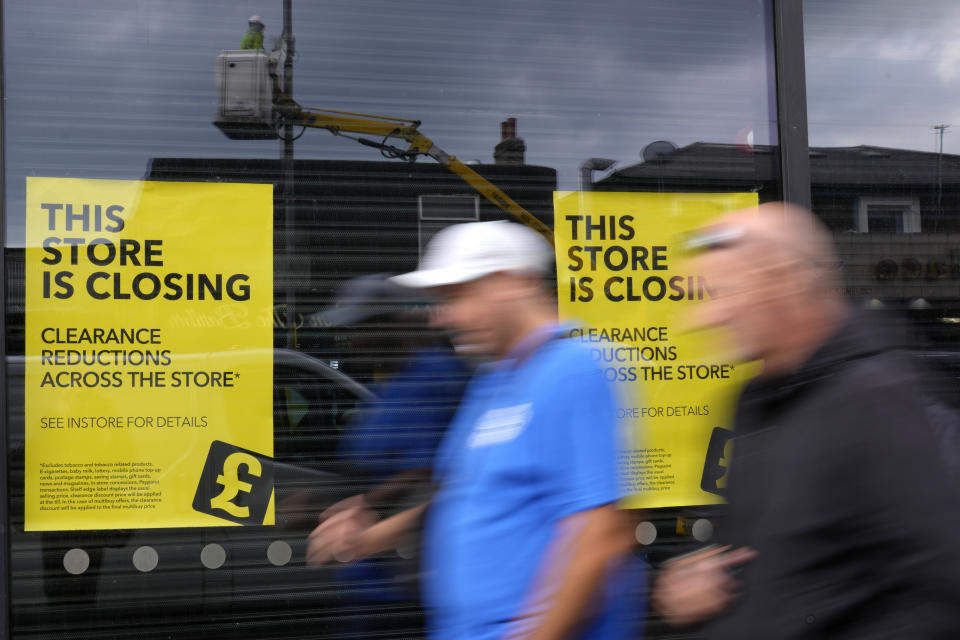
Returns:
(619, 95)
(882, 85)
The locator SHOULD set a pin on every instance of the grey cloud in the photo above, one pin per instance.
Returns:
(878, 72)
(98, 92)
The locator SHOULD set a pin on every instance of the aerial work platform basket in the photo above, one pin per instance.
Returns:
(245, 95)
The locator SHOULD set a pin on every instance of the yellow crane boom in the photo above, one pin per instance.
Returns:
(344, 122)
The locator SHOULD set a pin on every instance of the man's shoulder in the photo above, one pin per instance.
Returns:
(568, 356)
(869, 356)
(874, 376)
(867, 407)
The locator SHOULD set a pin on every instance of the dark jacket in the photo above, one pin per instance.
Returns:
(836, 482)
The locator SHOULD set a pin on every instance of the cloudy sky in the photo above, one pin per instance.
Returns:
(97, 89)
(883, 72)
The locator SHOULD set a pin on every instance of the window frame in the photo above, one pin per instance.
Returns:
(909, 206)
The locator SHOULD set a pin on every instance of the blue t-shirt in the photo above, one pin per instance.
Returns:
(401, 430)
(534, 441)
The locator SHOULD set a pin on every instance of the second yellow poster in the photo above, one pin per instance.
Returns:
(621, 274)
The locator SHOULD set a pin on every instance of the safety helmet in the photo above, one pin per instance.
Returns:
(256, 19)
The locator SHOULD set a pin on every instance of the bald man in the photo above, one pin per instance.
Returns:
(842, 523)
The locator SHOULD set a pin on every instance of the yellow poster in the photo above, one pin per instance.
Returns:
(621, 275)
(149, 361)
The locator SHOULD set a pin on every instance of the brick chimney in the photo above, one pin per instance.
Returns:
(510, 149)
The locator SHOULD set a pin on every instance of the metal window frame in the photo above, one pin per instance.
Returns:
(4, 453)
(791, 101)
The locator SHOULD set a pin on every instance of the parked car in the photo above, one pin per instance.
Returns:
(184, 582)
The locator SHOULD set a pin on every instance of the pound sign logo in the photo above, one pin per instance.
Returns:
(233, 485)
(236, 484)
(714, 478)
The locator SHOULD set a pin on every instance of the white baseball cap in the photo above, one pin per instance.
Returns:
(465, 252)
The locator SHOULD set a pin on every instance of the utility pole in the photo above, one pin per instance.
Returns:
(287, 168)
(940, 129)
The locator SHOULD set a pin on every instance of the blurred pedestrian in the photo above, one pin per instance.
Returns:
(522, 535)
(389, 447)
(841, 519)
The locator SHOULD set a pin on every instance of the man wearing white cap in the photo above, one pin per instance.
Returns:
(522, 537)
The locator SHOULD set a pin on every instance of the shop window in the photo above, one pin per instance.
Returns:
(128, 92)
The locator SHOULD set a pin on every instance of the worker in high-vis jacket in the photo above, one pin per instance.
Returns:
(254, 37)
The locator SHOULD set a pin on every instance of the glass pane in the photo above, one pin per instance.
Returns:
(882, 85)
(533, 97)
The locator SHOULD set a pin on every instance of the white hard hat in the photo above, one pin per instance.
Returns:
(256, 19)
(465, 252)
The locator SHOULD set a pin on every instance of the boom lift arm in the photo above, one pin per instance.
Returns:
(341, 123)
